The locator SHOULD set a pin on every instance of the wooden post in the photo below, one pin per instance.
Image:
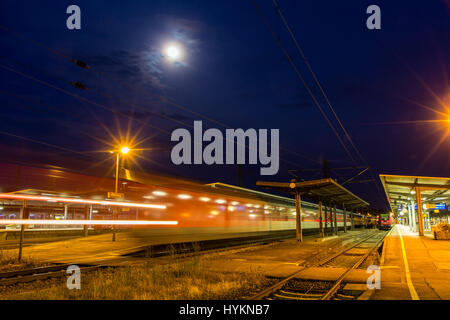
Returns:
(345, 218)
(114, 226)
(298, 217)
(24, 214)
(326, 220)
(86, 217)
(320, 220)
(419, 210)
(335, 221)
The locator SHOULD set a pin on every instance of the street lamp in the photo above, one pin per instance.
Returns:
(123, 150)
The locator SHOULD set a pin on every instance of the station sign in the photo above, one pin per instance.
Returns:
(440, 206)
(115, 195)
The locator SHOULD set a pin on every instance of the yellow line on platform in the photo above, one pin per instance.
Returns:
(411, 288)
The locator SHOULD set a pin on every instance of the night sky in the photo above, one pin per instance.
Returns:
(383, 84)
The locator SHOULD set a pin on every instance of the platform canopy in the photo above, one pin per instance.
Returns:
(402, 189)
(326, 190)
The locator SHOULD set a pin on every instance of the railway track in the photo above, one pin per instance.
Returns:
(43, 273)
(291, 288)
(40, 273)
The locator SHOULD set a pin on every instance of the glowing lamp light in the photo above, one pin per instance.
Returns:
(204, 199)
(184, 196)
(124, 150)
(159, 193)
(220, 201)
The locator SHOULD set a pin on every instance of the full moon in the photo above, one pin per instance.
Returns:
(173, 52)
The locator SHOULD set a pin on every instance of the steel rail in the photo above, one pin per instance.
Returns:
(279, 284)
(41, 274)
(338, 282)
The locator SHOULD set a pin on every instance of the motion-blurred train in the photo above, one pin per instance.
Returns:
(199, 209)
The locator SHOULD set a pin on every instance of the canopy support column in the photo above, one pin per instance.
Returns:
(345, 218)
(419, 210)
(320, 220)
(352, 221)
(335, 221)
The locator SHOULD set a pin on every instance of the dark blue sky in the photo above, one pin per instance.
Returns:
(234, 72)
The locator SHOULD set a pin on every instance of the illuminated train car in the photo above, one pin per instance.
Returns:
(217, 208)
(386, 222)
(237, 209)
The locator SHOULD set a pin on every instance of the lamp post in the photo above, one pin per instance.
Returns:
(123, 150)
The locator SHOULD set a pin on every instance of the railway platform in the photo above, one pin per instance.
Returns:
(413, 267)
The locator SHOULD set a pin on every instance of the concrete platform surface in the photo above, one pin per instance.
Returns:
(414, 267)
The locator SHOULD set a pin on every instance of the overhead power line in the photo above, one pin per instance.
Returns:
(322, 90)
(291, 62)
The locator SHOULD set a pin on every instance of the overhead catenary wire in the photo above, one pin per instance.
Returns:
(316, 80)
(291, 62)
(322, 90)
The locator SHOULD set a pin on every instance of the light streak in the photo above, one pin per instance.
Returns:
(159, 193)
(85, 222)
(80, 201)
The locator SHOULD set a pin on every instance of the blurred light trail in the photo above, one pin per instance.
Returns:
(80, 201)
(86, 222)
